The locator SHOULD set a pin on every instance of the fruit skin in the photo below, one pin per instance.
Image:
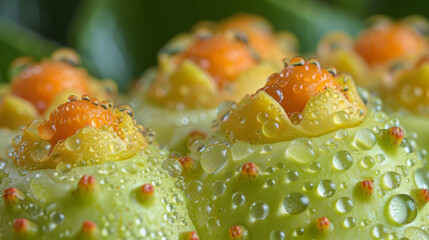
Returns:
(37, 88)
(60, 199)
(304, 171)
(379, 49)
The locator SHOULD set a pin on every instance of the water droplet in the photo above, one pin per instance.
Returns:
(365, 139)
(277, 235)
(40, 150)
(421, 177)
(292, 175)
(301, 150)
(391, 180)
(341, 117)
(295, 118)
(341, 134)
(379, 231)
(271, 129)
(259, 210)
(349, 222)
(314, 167)
(218, 188)
(326, 188)
(342, 160)
(238, 199)
(213, 224)
(194, 190)
(295, 203)
(367, 162)
(344, 205)
(172, 166)
(415, 233)
(401, 209)
(214, 158)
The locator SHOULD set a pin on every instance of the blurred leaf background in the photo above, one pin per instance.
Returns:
(119, 39)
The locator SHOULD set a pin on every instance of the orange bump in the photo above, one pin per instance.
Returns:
(236, 232)
(41, 83)
(12, 195)
(72, 116)
(383, 43)
(87, 183)
(249, 170)
(187, 163)
(367, 186)
(299, 81)
(322, 223)
(396, 135)
(222, 58)
(147, 191)
(89, 228)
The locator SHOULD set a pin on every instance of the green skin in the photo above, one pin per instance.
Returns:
(173, 126)
(115, 205)
(299, 166)
(417, 124)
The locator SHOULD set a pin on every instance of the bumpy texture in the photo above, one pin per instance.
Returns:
(90, 172)
(38, 88)
(110, 200)
(377, 50)
(364, 182)
(197, 71)
(301, 100)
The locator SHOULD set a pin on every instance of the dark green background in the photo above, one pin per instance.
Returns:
(118, 39)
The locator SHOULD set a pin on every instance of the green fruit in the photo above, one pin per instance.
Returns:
(137, 198)
(364, 182)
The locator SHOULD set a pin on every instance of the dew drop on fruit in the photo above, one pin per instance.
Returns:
(238, 199)
(421, 177)
(365, 139)
(277, 235)
(342, 160)
(40, 150)
(194, 190)
(259, 210)
(415, 233)
(379, 231)
(391, 180)
(271, 128)
(301, 150)
(401, 209)
(341, 117)
(367, 162)
(349, 222)
(326, 188)
(214, 158)
(344, 205)
(295, 203)
(213, 224)
(218, 188)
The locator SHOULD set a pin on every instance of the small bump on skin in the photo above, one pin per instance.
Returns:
(236, 232)
(87, 184)
(22, 226)
(146, 193)
(396, 134)
(422, 197)
(89, 229)
(189, 236)
(367, 186)
(187, 163)
(12, 195)
(249, 170)
(322, 223)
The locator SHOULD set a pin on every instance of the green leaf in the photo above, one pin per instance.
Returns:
(120, 39)
(16, 41)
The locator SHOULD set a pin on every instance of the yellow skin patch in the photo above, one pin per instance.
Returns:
(411, 90)
(91, 144)
(225, 64)
(261, 119)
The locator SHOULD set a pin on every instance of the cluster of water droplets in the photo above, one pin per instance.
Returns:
(314, 178)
